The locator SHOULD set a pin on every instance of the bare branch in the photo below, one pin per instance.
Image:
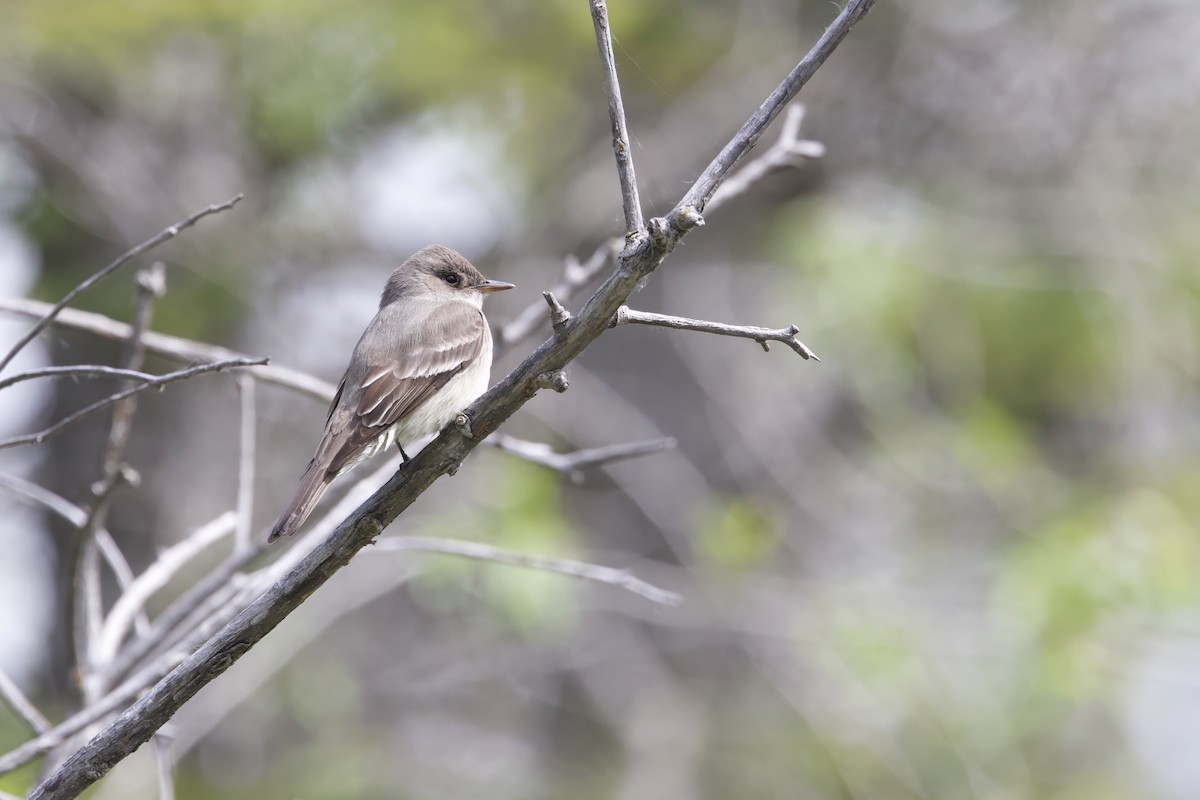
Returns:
(576, 275)
(30, 491)
(627, 316)
(789, 150)
(161, 380)
(111, 702)
(630, 202)
(155, 577)
(572, 464)
(622, 578)
(171, 346)
(641, 256)
(165, 235)
(687, 211)
(164, 760)
(74, 371)
(151, 285)
(15, 699)
(245, 495)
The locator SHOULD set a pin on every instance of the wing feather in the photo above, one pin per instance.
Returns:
(407, 374)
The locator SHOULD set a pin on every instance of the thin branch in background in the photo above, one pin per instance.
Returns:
(246, 453)
(75, 371)
(155, 577)
(686, 213)
(627, 316)
(174, 347)
(114, 701)
(161, 380)
(31, 492)
(789, 151)
(573, 464)
(15, 699)
(151, 285)
(576, 276)
(164, 760)
(121, 569)
(621, 578)
(641, 256)
(630, 202)
(165, 235)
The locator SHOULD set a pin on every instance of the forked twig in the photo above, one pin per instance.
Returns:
(163, 236)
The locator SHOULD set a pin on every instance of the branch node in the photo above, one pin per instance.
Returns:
(463, 423)
(660, 231)
(153, 281)
(766, 347)
(689, 218)
(559, 316)
(555, 379)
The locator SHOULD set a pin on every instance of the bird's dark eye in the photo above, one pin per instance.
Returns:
(451, 279)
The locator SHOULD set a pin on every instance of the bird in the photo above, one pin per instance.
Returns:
(425, 356)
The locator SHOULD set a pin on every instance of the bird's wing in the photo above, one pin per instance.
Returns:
(400, 376)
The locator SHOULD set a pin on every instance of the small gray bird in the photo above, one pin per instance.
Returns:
(424, 358)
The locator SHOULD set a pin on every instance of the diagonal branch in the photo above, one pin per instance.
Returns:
(621, 578)
(627, 316)
(15, 699)
(163, 236)
(641, 256)
(572, 464)
(155, 577)
(630, 202)
(576, 275)
(161, 380)
(686, 213)
(789, 150)
(171, 346)
(30, 491)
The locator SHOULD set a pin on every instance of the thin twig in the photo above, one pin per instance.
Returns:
(151, 285)
(641, 256)
(213, 598)
(161, 380)
(622, 578)
(171, 346)
(113, 701)
(74, 371)
(121, 569)
(30, 491)
(245, 495)
(15, 699)
(573, 463)
(165, 235)
(154, 578)
(630, 203)
(627, 316)
(789, 150)
(164, 760)
(576, 276)
(687, 211)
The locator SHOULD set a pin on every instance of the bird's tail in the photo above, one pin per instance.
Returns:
(313, 483)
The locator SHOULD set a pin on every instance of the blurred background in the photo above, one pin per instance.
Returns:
(959, 558)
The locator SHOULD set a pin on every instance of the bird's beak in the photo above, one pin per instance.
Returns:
(493, 286)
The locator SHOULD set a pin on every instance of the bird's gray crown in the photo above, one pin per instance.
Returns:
(431, 270)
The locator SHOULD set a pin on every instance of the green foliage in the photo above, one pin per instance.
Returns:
(736, 534)
(526, 518)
